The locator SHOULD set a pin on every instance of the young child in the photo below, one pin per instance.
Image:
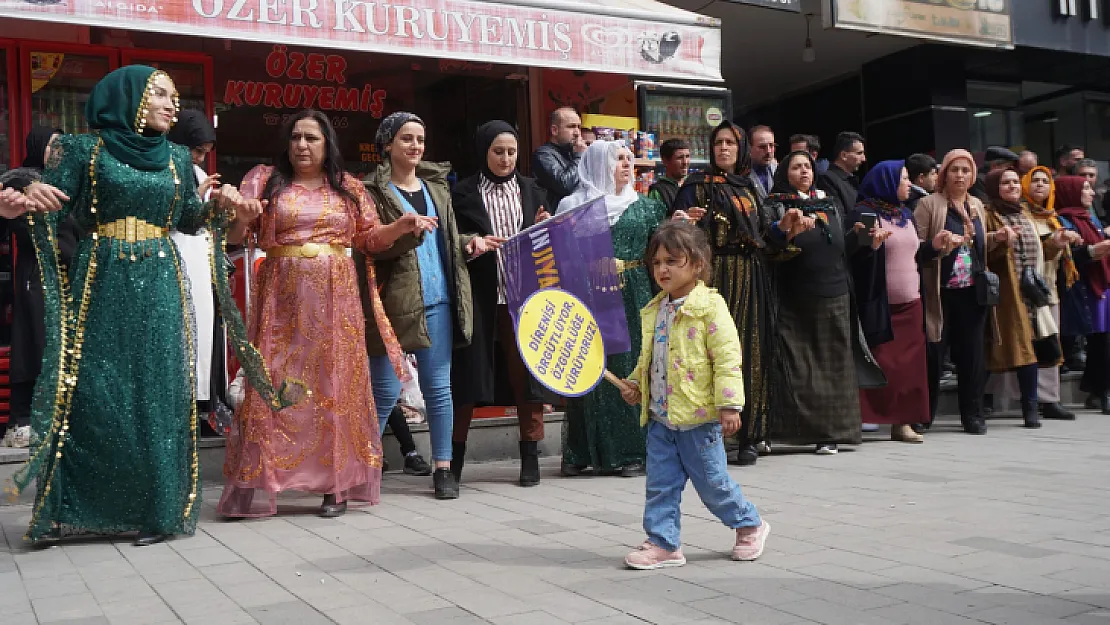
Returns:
(690, 385)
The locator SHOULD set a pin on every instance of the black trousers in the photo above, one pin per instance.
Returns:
(22, 393)
(965, 323)
(1096, 375)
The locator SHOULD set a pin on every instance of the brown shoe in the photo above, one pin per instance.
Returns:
(905, 434)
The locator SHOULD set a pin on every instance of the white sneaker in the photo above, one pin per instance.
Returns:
(21, 437)
(826, 449)
(763, 447)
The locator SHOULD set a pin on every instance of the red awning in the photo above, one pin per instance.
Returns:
(638, 37)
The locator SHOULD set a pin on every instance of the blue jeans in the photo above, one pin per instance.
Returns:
(433, 365)
(698, 455)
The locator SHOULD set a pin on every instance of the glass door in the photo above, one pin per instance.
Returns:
(57, 80)
(9, 128)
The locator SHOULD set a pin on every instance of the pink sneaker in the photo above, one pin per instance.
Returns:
(750, 542)
(652, 557)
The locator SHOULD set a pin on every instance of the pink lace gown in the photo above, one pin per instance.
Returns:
(307, 320)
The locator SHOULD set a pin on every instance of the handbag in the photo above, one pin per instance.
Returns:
(1034, 288)
(1048, 350)
(988, 288)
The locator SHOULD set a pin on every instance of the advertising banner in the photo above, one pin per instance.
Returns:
(606, 38)
(974, 22)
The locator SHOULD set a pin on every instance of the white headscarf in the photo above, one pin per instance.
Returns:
(595, 179)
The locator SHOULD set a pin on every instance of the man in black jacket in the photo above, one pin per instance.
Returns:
(555, 163)
(676, 158)
(839, 181)
(923, 172)
(994, 159)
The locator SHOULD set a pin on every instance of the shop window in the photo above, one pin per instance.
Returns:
(60, 83)
(995, 127)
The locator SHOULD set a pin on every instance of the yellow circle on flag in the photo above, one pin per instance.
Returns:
(560, 342)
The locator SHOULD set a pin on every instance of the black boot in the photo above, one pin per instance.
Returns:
(747, 455)
(1030, 415)
(1093, 402)
(1104, 403)
(458, 458)
(146, 539)
(1056, 411)
(329, 509)
(529, 463)
(443, 481)
(975, 425)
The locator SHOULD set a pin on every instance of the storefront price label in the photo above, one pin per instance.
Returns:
(560, 342)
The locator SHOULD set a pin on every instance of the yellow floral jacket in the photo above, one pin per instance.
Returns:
(704, 355)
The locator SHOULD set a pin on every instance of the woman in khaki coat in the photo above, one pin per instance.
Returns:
(953, 316)
(1019, 321)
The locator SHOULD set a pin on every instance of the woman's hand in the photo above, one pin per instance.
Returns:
(946, 241)
(730, 421)
(416, 224)
(249, 210)
(1063, 238)
(208, 184)
(43, 197)
(630, 392)
(482, 245)
(1100, 250)
(542, 215)
(1007, 234)
(12, 203)
(878, 235)
(794, 223)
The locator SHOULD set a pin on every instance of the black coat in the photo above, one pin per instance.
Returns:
(473, 374)
(868, 268)
(556, 171)
(840, 186)
(28, 314)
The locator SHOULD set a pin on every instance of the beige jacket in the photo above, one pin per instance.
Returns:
(930, 214)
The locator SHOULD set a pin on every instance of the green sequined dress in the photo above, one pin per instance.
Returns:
(600, 429)
(114, 405)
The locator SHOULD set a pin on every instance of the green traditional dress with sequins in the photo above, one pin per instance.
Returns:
(601, 430)
(114, 412)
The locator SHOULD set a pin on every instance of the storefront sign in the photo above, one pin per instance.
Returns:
(572, 251)
(607, 39)
(794, 6)
(974, 22)
(303, 81)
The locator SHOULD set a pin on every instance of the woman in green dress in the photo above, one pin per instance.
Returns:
(114, 411)
(601, 430)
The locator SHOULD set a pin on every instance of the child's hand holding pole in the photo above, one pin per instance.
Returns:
(630, 391)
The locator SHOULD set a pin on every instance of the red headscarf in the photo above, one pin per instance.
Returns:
(1069, 200)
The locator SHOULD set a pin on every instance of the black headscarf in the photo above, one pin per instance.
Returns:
(37, 140)
(782, 178)
(994, 192)
(487, 132)
(192, 130)
(743, 159)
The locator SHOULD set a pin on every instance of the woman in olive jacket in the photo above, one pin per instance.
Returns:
(425, 288)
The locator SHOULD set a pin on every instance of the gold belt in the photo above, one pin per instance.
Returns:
(628, 265)
(307, 250)
(131, 230)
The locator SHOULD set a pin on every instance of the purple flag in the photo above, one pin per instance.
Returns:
(572, 251)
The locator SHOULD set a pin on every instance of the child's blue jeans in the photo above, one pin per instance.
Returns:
(673, 456)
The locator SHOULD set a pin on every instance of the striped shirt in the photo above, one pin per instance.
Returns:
(506, 216)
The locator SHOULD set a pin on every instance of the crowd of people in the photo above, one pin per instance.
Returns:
(806, 304)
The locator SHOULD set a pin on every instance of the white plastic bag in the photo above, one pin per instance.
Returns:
(410, 391)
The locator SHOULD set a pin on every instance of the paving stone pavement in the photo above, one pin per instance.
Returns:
(1007, 529)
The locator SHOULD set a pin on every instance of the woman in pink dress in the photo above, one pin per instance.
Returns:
(307, 320)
